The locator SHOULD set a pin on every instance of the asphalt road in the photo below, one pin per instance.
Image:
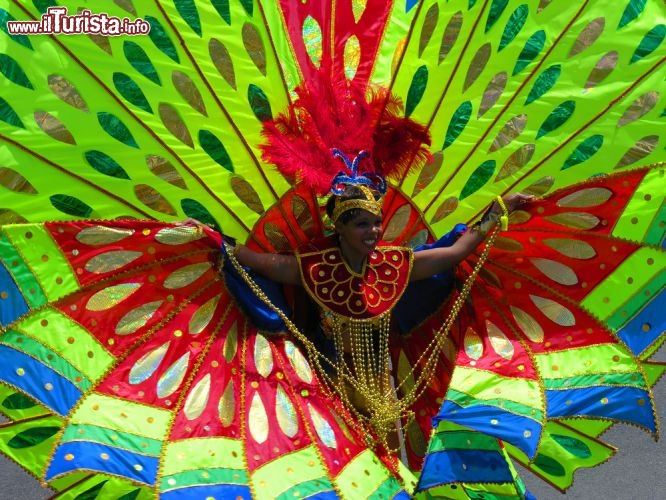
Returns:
(637, 472)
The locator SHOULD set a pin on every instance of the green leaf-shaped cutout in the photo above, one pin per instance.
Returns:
(132, 495)
(470, 4)
(106, 165)
(513, 26)
(631, 12)
(8, 115)
(70, 205)
(11, 69)
(188, 11)
(495, 12)
(128, 88)
(32, 437)
(458, 123)
(259, 103)
(43, 5)
(549, 465)
(91, 493)
(649, 43)
(556, 118)
(222, 8)
(544, 83)
(18, 401)
(478, 178)
(531, 50)
(584, 151)
(215, 149)
(247, 5)
(416, 89)
(139, 60)
(161, 40)
(20, 39)
(574, 446)
(116, 129)
(194, 209)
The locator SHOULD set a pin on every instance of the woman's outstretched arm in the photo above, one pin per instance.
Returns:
(276, 267)
(437, 260)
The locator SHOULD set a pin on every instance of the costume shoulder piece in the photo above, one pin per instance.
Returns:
(331, 283)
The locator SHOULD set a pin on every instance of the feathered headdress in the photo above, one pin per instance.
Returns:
(349, 118)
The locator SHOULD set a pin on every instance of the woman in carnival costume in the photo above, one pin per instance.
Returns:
(145, 358)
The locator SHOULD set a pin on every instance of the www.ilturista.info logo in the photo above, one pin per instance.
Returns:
(57, 22)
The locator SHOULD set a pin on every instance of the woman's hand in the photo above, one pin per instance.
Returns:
(512, 202)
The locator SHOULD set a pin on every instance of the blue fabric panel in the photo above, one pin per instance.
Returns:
(235, 491)
(466, 466)
(13, 305)
(37, 380)
(510, 427)
(619, 403)
(652, 314)
(91, 456)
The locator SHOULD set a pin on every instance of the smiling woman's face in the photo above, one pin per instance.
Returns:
(359, 236)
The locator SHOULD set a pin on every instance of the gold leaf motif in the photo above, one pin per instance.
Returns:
(519, 217)
(53, 127)
(111, 261)
(8, 216)
(323, 428)
(276, 237)
(555, 312)
(179, 235)
(254, 46)
(574, 220)
(428, 173)
(516, 161)
(397, 54)
(416, 439)
(298, 362)
(111, 296)
(102, 42)
(473, 344)
(351, 56)
(203, 316)
(197, 399)
(477, 65)
(499, 342)
(258, 419)
(588, 197)
(66, 92)
(165, 170)
(285, 413)
(188, 90)
(419, 238)
(429, 25)
(126, 5)
(543, 4)
(447, 207)
(358, 7)
(14, 181)
(186, 275)
(638, 151)
(263, 356)
(147, 364)
(530, 327)
(512, 129)
(541, 186)
(313, 39)
(556, 271)
(508, 244)
(137, 318)
(451, 33)
(397, 223)
(576, 249)
(492, 93)
(226, 409)
(231, 344)
(588, 36)
(149, 196)
(491, 278)
(101, 235)
(222, 61)
(173, 377)
(174, 123)
(640, 107)
(602, 69)
(247, 194)
(301, 211)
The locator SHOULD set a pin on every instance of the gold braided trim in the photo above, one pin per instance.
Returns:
(369, 203)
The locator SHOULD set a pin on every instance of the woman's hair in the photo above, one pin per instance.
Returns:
(350, 193)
